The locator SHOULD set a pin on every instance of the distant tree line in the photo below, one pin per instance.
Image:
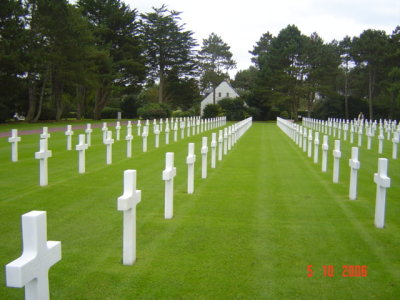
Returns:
(294, 75)
(97, 57)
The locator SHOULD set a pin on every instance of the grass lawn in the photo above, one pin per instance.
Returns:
(249, 231)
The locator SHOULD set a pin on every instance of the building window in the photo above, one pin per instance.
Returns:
(227, 95)
(219, 94)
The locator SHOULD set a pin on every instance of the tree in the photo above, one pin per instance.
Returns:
(215, 60)
(345, 48)
(369, 51)
(119, 61)
(168, 46)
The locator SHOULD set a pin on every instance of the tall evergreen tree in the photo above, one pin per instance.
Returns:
(215, 61)
(168, 46)
(120, 63)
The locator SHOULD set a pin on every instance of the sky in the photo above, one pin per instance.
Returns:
(240, 23)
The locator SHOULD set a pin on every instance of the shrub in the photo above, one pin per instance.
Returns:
(5, 113)
(130, 105)
(154, 111)
(182, 114)
(234, 108)
(211, 111)
(284, 114)
(110, 113)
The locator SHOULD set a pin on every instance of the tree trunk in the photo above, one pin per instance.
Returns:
(80, 107)
(370, 92)
(346, 97)
(32, 102)
(39, 109)
(161, 87)
(57, 89)
(101, 98)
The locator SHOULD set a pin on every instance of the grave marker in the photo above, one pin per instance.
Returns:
(310, 140)
(382, 183)
(168, 176)
(395, 141)
(225, 141)
(220, 140)
(104, 129)
(190, 160)
(316, 146)
(144, 136)
(127, 203)
(381, 137)
(129, 138)
(88, 132)
(157, 136)
(336, 161)
(14, 140)
(354, 164)
(81, 148)
(69, 134)
(166, 133)
(325, 148)
(213, 149)
(32, 268)
(138, 127)
(43, 155)
(108, 142)
(45, 133)
(118, 131)
(204, 151)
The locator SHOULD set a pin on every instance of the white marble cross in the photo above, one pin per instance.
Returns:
(220, 141)
(88, 132)
(157, 136)
(316, 146)
(69, 133)
(32, 268)
(43, 155)
(369, 135)
(190, 160)
(104, 129)
(14, 140)
(351, 133)
(189, 124)
(204, 151)
(182, 129)
(161, 125)
(138, 127)
(145, 133)
(382, 183)
(108, 142)
(381, 138)
(45, 134)
(395, 141)
(175, 129)
(166, 133)
(127, 203)
(360, 132)
(325, 148)
(229, 138)
(129, 138)
(225, 141)
(118, 131)
(310, 141)
(354, 164)
(304, 139)
(213, 149)
(336, 161)
(81, 147)
(168, 176)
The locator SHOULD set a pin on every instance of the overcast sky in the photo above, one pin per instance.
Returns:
(241, 23)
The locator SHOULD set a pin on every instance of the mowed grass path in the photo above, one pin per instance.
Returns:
(249, 231)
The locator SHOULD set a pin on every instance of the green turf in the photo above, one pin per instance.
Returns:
(248, 232)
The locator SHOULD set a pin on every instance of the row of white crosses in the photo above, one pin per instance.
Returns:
(356, 127)
(85, 140)
(297, 134)
(31, 269)
(131, 196)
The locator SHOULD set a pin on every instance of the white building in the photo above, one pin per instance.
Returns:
(223, 90)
